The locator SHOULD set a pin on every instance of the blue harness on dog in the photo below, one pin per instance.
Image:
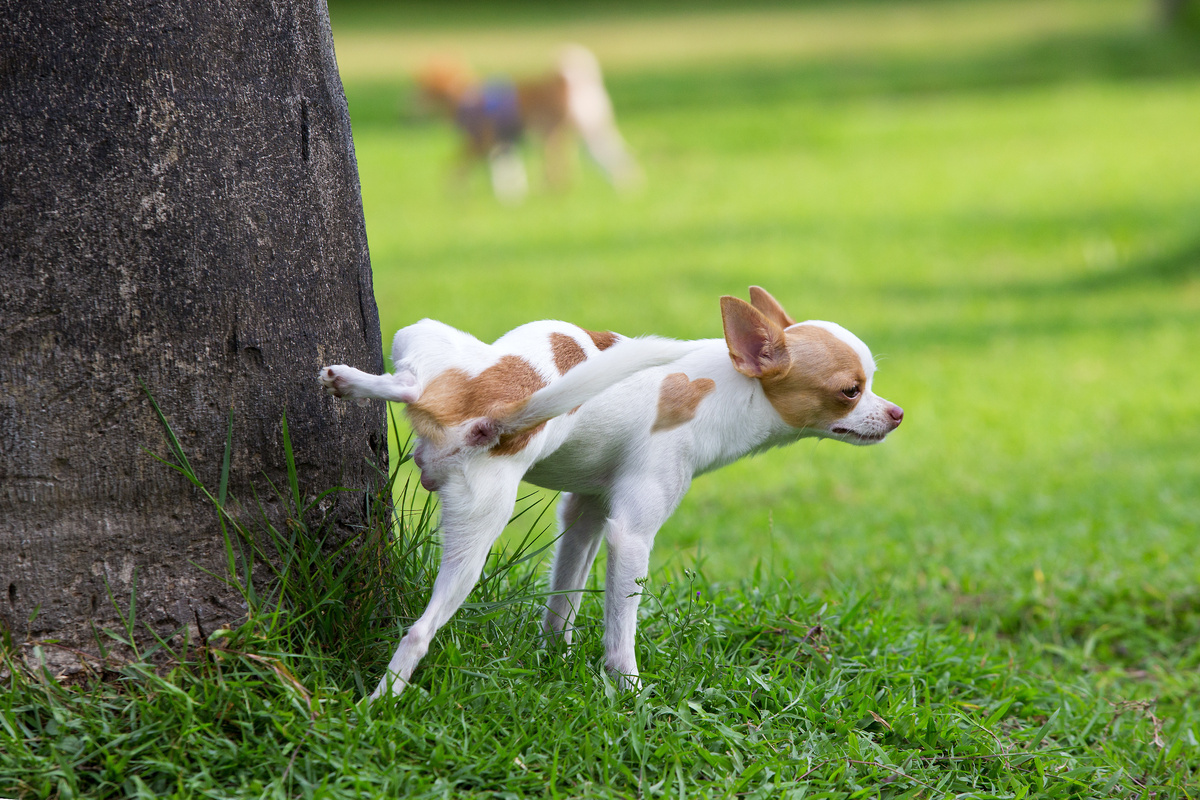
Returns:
(493, 111)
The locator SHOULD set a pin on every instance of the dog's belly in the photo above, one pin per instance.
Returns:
(586, 451)
(587, 460)
(579, 467)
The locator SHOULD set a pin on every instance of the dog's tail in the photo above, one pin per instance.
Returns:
(591, 377)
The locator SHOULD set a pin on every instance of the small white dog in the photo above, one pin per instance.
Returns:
(620, 425)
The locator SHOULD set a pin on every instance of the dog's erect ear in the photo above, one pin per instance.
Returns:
(756, 343)
(761, 299)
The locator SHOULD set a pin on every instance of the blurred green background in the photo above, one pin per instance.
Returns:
(1001, 198)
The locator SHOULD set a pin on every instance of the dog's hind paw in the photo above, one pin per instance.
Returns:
(336, 380)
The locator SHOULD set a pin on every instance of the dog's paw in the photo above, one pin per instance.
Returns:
(626, 678)
(336, 380)
(390, 685)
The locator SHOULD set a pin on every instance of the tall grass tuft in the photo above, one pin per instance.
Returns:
(324, 608)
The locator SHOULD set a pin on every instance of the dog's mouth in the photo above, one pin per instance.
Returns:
(854, 437)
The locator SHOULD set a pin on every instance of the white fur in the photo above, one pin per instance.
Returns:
(622, 481)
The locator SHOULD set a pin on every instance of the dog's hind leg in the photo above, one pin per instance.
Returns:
(582, 520)
(340, 380)
(475, 509)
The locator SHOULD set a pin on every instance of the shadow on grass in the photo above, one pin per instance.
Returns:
(1121, 55)
(1162, 269)
(1135, 54)
(438, 15)
(1052, 309)
(975, 334)
(1173, 266)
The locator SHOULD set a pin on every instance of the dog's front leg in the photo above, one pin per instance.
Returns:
(474, 513)
(637, 514)
(509, 182)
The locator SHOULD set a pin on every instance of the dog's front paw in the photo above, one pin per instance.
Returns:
(626, 678)
(336, 380)
(390, 684)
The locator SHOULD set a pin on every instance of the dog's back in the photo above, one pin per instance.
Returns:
(512, 388)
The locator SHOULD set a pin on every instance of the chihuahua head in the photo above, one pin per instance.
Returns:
(816, 375)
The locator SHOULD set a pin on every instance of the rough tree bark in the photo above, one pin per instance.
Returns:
(179, 205)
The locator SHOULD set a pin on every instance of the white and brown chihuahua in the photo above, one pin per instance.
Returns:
(620, 425)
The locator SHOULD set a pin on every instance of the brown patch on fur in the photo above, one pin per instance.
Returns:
(603, 339)
(678, 399)
(453, 397)
(809, 393)
(567, 352)
(513, 443)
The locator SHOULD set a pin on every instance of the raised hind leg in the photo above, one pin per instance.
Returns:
(475, 508)
(340, 380)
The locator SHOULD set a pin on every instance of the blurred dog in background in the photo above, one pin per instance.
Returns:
(494, 116)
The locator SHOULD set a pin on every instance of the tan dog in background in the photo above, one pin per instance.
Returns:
(495, 115)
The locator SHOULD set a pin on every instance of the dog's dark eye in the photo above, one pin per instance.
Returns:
(851, 393)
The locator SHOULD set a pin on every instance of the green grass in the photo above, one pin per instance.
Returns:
(754, 688)
(1001, 601)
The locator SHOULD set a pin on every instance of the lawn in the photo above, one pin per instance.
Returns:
(1003, 200)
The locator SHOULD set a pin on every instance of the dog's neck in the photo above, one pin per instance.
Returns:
(737, 419)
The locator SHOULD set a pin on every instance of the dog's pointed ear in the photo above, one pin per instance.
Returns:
(761, 299)
(756, 344)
